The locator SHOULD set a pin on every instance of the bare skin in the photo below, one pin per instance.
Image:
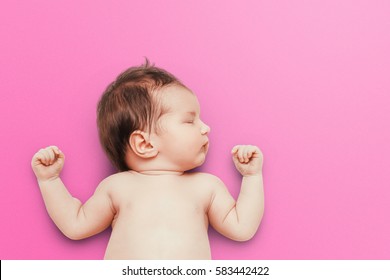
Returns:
(157, 210)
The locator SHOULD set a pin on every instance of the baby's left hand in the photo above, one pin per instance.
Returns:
(248, 159)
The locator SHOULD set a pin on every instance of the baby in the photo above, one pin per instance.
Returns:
(150, 127)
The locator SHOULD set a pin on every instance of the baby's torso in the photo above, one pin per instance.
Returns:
(159, 217)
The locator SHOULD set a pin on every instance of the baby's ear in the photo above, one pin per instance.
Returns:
(140, 144)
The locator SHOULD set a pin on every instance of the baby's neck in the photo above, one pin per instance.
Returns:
(158, 172)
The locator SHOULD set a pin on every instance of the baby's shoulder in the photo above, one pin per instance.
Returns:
(116, 180)
(207, 179)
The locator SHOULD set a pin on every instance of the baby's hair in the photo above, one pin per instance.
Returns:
(128, 104)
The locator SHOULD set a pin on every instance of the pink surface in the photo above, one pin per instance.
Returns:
(307, 81)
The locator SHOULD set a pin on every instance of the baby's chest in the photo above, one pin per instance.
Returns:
(171, 202)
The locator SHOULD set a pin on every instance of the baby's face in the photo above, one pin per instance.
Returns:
(182, 140)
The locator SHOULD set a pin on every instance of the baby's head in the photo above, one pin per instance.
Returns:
(148, 120)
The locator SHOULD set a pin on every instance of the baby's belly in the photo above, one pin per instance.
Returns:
(159, 240)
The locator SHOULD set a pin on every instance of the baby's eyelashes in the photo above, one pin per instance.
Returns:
(190, 121)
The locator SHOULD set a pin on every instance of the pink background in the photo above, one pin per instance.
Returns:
(307, 81)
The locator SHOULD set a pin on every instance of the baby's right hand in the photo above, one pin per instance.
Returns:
(47, 163)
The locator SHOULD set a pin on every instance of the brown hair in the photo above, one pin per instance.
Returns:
(130, 103)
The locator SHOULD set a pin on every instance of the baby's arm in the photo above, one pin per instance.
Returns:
(240, 220)
(75, 220)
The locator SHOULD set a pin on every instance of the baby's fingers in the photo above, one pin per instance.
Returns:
(240, 153)
(48, 155)
(244, 153)
(44, 157)
(237, 153)
(248, 152)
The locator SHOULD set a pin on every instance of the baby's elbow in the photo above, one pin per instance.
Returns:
(240, 234)
(73, 233)
(74, 236)
(246, 233)
(243, 236)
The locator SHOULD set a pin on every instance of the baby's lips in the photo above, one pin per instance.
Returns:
(205, 146)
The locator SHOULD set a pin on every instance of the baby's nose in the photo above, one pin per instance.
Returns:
(205, 128)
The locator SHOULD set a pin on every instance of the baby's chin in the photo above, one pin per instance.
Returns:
(189, 166)
(199, 163)
(184, 165)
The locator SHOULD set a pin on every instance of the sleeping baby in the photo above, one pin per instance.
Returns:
(150, 127)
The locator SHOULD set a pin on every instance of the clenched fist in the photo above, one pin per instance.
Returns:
(248, 159)
(47, 163)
